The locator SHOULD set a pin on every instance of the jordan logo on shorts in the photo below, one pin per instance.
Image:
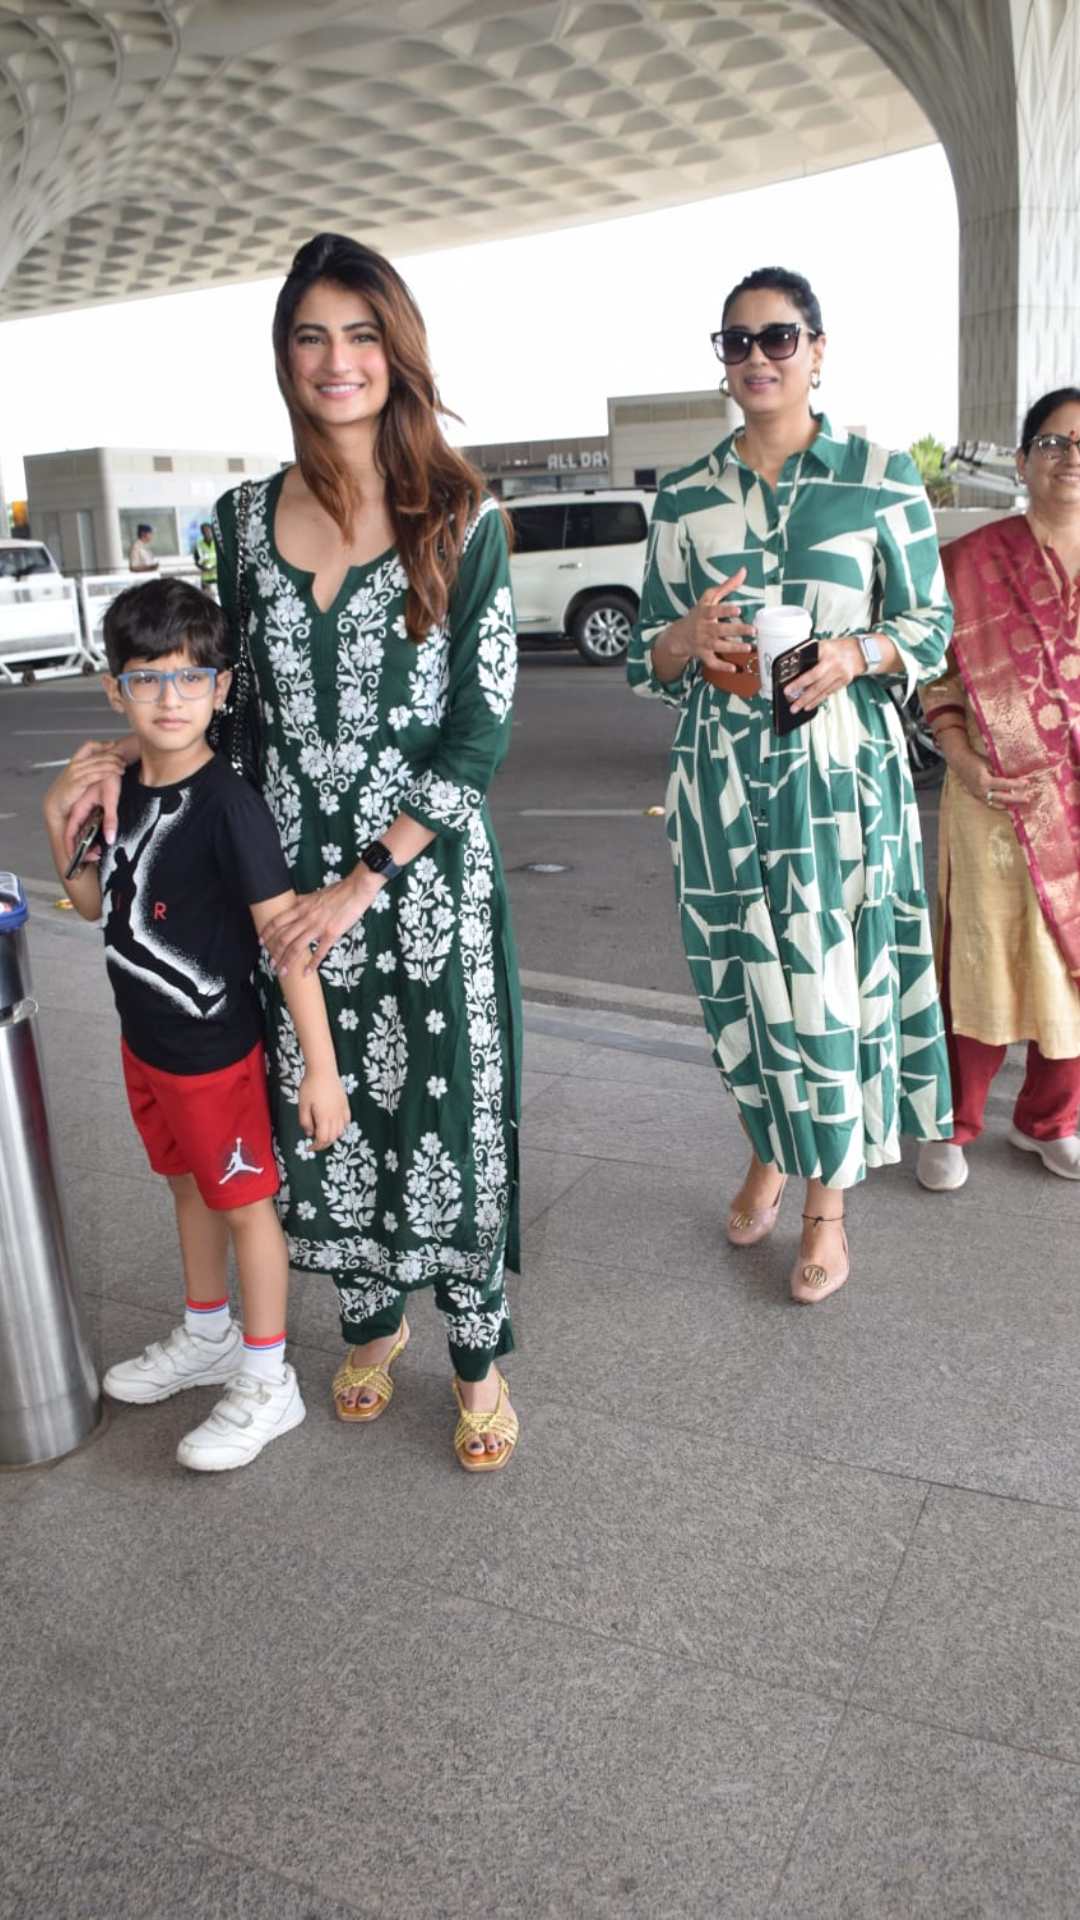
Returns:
(237, 1164)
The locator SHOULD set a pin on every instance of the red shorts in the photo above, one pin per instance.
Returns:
(215, 1126)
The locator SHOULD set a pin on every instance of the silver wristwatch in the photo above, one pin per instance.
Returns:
(870, 650)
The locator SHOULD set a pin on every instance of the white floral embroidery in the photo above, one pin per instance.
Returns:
(305, 1210)
(363, 1303)
(391, 1159)
(381, 903)
(465, 1297)
(359, 1253)
(432, 1191)
(487, 505)
(496, 667)
(304, 1150)
(331, 854)
(386, 1058)
(350, 1178)
(436, 1021)
(389, 1221)
(475, 1329)
(425, 921)
(444, 801)
(289, 1059)
(436, 1086)
(331, 765)
(344, 964)
(399, 717)
(282, 796)
(379, 801)
(386, 962)
(429, 680)
(348, 1018)
(492, 1172)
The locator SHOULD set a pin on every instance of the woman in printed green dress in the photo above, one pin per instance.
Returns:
(798, 860)
(379, 617)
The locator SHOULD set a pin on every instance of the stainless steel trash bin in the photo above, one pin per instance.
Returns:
(49, 1398)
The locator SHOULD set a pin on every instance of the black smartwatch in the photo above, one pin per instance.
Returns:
(381, 861)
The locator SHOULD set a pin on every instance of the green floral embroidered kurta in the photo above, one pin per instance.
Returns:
(798, 861)
(422, 994)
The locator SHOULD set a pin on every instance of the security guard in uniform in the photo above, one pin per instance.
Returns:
(206, 559)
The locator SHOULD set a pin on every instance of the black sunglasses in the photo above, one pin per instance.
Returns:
(777, 342)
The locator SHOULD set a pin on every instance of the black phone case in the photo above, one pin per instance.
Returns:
(788, 666)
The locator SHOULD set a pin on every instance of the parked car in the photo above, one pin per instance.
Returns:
(577, 567)
(39, 617)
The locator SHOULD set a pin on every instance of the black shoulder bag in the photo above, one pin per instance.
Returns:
(237, 730)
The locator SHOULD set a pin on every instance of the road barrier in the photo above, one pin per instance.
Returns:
(40, 629)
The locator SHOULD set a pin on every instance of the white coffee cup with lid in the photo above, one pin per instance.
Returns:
(777, 629)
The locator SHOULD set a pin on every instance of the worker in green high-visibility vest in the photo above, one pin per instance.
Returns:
(206, 559)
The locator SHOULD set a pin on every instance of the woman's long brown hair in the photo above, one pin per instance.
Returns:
(432, 491)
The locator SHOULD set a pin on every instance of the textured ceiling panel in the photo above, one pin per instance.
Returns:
(152, 145)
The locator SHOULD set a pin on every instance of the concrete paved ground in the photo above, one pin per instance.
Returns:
(775, 1615)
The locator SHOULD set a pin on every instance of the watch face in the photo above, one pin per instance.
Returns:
(377, 857)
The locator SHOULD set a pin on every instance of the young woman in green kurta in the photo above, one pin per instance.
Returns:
(381, 630)
(798, 860)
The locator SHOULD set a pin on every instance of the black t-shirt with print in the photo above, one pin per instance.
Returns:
(177, 886)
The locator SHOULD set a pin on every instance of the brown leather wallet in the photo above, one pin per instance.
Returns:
(743, 681)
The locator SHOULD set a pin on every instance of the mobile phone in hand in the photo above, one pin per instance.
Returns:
(91, 831)
(787, 667)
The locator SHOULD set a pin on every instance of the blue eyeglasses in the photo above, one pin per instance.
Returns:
(145, 684)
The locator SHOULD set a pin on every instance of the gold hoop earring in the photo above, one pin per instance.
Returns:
(815, 381)
(724, 388)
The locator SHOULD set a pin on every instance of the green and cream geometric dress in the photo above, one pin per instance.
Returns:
(422, 993)
(798, 861)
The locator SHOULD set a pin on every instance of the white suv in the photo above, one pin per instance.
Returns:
(577, 567)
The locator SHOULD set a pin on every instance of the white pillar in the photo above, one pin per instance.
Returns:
(1000, 82)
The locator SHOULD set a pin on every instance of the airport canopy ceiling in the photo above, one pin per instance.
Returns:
(148, 147)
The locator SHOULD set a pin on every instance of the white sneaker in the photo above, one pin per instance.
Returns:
(245, 1418)
(168, 1366)
(1058, 1156)
(941, 1166)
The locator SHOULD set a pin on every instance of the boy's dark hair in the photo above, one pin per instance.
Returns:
(793, 286)
(1041, 411)
(158, 617)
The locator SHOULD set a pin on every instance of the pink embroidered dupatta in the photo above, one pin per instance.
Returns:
(1015, 645)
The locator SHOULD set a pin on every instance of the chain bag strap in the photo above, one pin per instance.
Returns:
(238, 732)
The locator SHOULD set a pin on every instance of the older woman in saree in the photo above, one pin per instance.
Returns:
(1007, 717)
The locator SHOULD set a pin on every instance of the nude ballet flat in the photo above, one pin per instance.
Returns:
(746, 1229)
(810, 1282)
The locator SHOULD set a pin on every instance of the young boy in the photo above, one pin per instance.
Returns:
(196, 870)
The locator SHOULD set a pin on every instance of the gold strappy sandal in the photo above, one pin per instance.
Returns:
(348, 1378)
(502, 1421)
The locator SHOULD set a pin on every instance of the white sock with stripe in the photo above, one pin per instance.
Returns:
(207, 1319)
(265, 1358)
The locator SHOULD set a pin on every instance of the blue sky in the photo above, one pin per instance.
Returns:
(530, 336)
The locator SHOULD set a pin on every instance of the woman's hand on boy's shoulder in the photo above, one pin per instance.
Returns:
(323, 1106)
(80, 787)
